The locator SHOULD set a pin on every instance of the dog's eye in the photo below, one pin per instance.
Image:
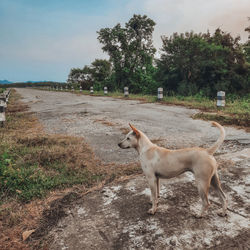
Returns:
(128, 138)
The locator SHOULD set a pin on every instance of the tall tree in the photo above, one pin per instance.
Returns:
(247, 44)
(131, 51)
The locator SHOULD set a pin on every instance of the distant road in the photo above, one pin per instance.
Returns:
(101, 120)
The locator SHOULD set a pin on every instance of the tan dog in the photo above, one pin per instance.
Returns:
(158, 162)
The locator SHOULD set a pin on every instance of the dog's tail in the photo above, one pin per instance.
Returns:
(213, 148)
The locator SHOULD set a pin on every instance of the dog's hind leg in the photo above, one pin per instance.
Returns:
(158, 187)
(153, 187)
(203, 187)
(215, 182)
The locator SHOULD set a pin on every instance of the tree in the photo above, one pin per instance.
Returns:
(96, 74)
(205, 63)
(247, 44)
(75, 75)
(101, 73)
(131, 52)
(81, 77)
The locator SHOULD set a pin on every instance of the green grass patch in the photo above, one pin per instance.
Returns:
(27, 180)
(33, 163)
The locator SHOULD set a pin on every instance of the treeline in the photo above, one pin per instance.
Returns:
(189, 63)
(30, 84)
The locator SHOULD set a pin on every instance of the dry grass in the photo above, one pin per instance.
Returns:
(46, 169)
(239, 120)
(124, 130)
(106, 123)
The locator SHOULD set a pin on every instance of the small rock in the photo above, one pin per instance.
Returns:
(172, 242)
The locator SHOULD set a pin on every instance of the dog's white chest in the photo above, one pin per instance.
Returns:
(147, 165)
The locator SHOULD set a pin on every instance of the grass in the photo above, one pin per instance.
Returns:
(37, 168)
(32, 163)
(236, 112)
(2, 90)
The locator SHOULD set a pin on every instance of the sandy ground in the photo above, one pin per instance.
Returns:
(115, 217)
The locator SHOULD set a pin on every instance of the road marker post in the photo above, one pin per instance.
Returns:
(221, 99)
(160, 94)
(91, 90)
(2, 113)
(105, 90)
(126, 93)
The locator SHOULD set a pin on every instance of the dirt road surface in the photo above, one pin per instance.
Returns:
(115, 217)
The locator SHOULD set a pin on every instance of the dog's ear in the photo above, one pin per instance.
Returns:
(137, 133)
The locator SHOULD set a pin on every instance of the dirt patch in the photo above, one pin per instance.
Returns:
(242, 241)
(116, 218)
(124, 130)
(52, 215)
(240, 121)
(106, 123)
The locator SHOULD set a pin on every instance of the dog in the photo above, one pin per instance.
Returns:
(161, 163)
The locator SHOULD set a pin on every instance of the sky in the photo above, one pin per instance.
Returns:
(44, 39)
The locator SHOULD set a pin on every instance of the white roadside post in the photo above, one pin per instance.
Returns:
(221, 99)
(57, 87)
(72, 88)
(66, 87)
(61, 88)
(91, 90)
(105, 90)
(160, 94)
(2, 112)
(80, 88)
(126, 91)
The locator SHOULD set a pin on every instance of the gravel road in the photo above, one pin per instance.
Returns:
(115, 217)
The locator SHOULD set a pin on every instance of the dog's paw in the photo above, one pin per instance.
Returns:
(151, 211)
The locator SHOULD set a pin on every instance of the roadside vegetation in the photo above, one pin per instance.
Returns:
(189, 63)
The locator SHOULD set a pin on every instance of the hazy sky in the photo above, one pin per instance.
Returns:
(44, 39)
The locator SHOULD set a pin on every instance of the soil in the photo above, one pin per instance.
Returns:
(115, 216)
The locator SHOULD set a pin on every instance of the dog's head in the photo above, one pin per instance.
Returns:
(131, 139)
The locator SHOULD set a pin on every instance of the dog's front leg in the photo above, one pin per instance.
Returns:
(153, 187)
